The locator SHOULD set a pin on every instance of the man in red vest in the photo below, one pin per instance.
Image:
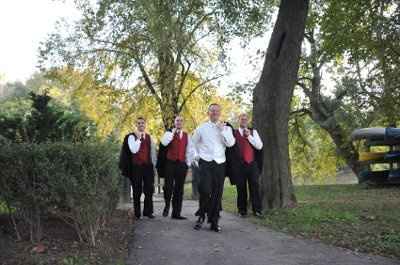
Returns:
(137, 158)
(248, 142)
(179, 156)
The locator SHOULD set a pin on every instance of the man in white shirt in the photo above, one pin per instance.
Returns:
(248, 169)
(140, 161)
(178, 157)
(210, 141)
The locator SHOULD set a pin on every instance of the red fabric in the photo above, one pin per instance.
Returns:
(246, 150)
(177, 148)
(142, 157)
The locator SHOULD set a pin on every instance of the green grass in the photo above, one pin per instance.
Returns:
(350, 216)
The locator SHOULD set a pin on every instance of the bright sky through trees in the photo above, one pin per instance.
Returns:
(24, 24)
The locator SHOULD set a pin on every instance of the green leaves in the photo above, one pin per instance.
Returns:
(153, 44)
(79, 183)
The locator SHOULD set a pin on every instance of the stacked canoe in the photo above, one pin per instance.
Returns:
(379, 155)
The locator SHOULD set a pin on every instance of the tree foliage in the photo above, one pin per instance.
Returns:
(39, 118)
(363, 61)
(158, 43)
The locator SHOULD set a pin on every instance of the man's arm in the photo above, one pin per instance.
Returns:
(190, 152)
(195, 141)
(167, 138)
(153, 153)
(255, 140)
(227, 136)
(134, 144)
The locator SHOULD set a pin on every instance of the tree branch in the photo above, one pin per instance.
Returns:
(184, 74)
(148, 82)
(303, 111)
(194, 90)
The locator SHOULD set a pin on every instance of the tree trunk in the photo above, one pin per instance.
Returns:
(272, 96)
(322, 110)
(169, 93)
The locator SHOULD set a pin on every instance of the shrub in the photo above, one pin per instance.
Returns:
(77, 182)
(23, 183)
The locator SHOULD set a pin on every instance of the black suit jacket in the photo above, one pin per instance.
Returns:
(162, 158)
(234, 160)
(125, 158)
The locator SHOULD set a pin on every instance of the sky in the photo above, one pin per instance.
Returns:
(25, 23)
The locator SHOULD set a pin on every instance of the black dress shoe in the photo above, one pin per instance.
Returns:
(178, 217)
(215, 228)
(243, 215)
(258, 214)
(199, 223)
(165, 212)
(151, 216)
(137, 217)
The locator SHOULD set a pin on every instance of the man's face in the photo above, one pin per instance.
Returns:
(178, 122)
(141, 125)
(214, 112)
(243, 121)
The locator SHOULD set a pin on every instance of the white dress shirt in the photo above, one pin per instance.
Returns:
(254, 139)
(210, 142)
(134, 146)
(190, 153)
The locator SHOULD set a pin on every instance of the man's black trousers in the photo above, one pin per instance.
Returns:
(248, 175)
(175, 174)
(211, 187)
(143, 182)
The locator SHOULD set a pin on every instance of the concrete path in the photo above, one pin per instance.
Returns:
(163, 241)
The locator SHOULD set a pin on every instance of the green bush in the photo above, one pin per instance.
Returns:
(77, 182)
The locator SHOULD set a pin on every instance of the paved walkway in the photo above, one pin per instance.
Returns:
(163, 241)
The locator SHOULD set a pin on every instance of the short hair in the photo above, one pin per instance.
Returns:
(140, 118)
(213, 104)
(243, 114)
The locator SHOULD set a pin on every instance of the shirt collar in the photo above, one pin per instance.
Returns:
(241, 131)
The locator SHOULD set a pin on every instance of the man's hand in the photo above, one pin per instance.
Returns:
(169, 136)
(195, 163)
(221, 125)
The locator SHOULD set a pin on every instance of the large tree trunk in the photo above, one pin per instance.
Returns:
(272, 97)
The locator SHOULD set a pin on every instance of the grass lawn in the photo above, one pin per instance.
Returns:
(350, 216)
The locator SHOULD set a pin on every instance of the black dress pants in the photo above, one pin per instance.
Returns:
(248, 175)
(143, 182)
(175, 174)
(211, 187)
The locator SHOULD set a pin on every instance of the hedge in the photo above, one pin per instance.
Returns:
(77, 182)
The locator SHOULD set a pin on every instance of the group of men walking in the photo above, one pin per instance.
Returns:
(215, 149)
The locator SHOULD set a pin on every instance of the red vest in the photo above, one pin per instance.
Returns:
(177, 148)
(142, 157)
(246, 150)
